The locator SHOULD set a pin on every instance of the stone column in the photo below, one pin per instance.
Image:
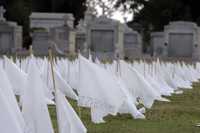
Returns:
(120, 44)
(72, 42)
(196, 47)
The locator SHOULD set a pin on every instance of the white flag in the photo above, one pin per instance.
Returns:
(68, 120)
(8, 121)
(59, 81)
(16, 76)
(10, 97)
(98, 90)
(34, 107)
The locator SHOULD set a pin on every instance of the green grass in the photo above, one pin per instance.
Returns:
(178, 116)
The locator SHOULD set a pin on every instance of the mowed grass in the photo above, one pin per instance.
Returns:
(178, 116)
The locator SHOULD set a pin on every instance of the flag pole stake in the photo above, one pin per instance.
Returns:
(53, 78)
(79, 108)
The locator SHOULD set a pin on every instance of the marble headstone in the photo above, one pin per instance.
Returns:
(132, 43)
(159, 47)
(52, 29)
(179, 39)
(10, 35)
(47, 20)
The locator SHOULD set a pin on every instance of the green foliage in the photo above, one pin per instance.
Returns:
(159, 12)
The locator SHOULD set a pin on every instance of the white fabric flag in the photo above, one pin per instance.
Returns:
(64, 86)
(16, 76)
(8, 121)
(48, 93)
(10, 97)
(129, 105)
(59, 81)
(68, 120)
(34, 107)
(98, 90)
(138, 86)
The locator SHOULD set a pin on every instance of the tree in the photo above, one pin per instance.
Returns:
(102, 7)
(18, 11)
(159, 12)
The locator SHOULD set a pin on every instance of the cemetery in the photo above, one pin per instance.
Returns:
(77, 68)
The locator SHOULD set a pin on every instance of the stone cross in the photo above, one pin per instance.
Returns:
(103, 6)
(106, 11)
(2, 11)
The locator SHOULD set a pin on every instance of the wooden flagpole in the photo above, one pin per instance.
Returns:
(79, 78)
(53, 78)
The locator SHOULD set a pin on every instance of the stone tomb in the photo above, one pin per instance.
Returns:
(81, 37)
(64, 36)
(40, 42)
(102, 37)
(10, 35)
(180, 39)
(61, 38)
(132, 43)
(47, 20)
(157, 40)
(107, 38)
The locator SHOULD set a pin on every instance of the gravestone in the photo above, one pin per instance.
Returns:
(181, 39)
(109, 39)
(40, 42)
(47, 20)
(132, 43)
(157, 41)
(10, 35)
(52, 29)
(81, 37)
(102, 37)
(64, 36)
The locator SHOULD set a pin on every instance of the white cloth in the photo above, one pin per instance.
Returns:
(16, 76)
(10, 97)
(34, 107)
(60, 83)
(68, 120)
(8, 121)
(98, 90)
(129, 105)
(138, 86)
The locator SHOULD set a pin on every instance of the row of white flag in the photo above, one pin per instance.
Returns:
(104, 88)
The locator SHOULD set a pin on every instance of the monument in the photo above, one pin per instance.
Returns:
(10, 35)
(53, 30)
(81, 37)
(180, 39)
(64, 36)
(132, 43)
(157, 41)
(47, 20)
(107, 38)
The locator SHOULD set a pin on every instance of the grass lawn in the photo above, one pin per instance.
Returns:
(178, 116)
